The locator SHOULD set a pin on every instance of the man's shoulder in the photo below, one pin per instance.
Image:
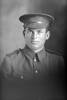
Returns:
(15, 52)
(11, 61)
(15, 55)
(55, 55)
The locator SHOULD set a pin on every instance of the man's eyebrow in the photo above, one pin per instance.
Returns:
(39, 30)
(34, 29)
(29, 29)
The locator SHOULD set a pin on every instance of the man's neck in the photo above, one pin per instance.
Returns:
(38, 50)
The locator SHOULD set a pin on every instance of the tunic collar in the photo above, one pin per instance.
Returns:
(28, 52)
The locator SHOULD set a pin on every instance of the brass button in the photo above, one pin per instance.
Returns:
(34, 59)
(36, 71)
(21, 77)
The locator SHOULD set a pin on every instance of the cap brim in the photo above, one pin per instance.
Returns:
(25, 17)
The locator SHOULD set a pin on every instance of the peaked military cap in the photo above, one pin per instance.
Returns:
(37, 20)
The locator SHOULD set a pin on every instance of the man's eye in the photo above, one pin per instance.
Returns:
(39, 31)
(29, 30)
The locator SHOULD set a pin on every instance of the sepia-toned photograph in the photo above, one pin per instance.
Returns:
(33, 49)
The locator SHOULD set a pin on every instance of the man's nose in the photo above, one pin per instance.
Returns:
(34, 34)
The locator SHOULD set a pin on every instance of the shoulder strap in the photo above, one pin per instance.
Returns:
(14, 52)
(56, 52)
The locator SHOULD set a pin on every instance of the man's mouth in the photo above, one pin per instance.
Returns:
(34, 42)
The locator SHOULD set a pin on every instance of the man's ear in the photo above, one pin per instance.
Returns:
(47, 35)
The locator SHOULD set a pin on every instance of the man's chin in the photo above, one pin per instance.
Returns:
(35, 47)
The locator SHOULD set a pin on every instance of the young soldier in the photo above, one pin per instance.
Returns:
(34, 62)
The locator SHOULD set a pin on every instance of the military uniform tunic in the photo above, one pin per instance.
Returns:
(42, 75)
(23, 64)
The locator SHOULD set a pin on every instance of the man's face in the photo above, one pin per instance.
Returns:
(35, 38)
